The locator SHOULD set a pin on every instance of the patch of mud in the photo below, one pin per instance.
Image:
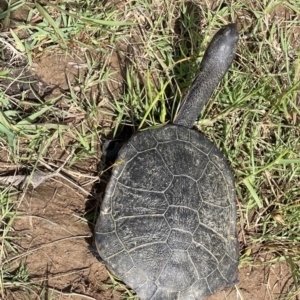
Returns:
(54, 240)
(23, 84)
(49, 75)
(59, 69)
(259, 283)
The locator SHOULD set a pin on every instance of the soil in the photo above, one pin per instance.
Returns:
(259, 283)
(56, 243)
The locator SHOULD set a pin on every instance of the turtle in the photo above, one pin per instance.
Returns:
(167, 223)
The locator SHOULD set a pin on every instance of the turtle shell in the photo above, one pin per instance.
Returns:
(167, 225)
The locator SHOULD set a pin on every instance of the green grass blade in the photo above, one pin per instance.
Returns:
(253, 192)
(34, 116)
(105, 22)
(157, 98)
(19, 44)
(46, 15)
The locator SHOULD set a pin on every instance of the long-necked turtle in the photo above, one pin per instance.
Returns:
(168, 218)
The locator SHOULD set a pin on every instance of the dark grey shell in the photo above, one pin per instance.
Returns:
(167, 225)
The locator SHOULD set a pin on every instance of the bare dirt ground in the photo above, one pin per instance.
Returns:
(56, 242)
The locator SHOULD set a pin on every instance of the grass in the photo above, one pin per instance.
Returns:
(253, 116)
(7, 218)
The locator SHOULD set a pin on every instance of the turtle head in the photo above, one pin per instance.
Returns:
(221, 50)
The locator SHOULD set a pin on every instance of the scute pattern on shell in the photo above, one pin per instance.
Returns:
(168, 229)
